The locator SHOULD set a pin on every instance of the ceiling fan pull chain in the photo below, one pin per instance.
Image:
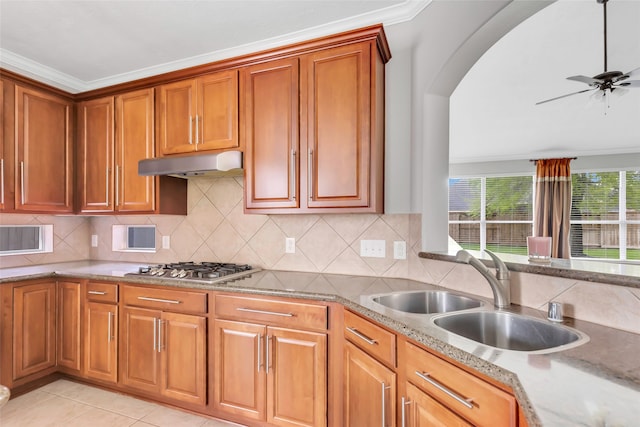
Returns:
(604, 5)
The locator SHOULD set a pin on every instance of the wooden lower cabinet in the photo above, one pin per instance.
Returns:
(164, 353)
(421, 410)
(369, 390)
(101, 341)
(271, 374)
(462, 393)
(68, 337)
(34, 329)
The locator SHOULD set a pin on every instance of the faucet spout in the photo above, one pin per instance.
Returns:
(500, 283)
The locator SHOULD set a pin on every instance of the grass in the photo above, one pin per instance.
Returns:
(602, 253)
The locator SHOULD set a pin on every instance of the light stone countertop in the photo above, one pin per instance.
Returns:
(595, 384)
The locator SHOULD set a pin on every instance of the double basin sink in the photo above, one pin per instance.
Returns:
(499, 329)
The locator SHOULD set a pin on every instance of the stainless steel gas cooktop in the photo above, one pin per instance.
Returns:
(201, 272)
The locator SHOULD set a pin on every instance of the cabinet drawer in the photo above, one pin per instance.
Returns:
(490, 406)
(102, 292)
(165, 299)
(272, 312)
(376, 341)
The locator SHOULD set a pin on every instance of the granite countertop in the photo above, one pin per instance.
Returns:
(595, 384)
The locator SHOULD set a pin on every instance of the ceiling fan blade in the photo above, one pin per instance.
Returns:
(628, 83)
(633, 73)
(564, 96)
(585, 79)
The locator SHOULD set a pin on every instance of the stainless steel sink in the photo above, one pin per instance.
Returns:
(426, 302)
(510, 331)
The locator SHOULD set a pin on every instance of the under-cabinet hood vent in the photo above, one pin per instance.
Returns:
(225, 163)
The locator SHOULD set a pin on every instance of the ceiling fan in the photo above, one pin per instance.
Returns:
(608, 81)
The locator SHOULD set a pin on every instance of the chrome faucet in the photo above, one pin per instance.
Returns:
(500, 283)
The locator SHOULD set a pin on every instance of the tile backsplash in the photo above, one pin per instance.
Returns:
(217, 229)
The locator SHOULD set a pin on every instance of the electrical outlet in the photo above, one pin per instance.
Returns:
(290, 245)
(166, 242)
(400, 249)
(372, 248)
(94, 240)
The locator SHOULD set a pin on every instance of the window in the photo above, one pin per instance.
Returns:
(493, 213)
(25, 239)
(605, 215)
(496, 213)
(134, 238)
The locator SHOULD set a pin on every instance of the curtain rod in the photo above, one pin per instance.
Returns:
(549, 158)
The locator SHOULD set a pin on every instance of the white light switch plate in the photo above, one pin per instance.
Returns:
(94, 240)
(372, 248)
(166, 242)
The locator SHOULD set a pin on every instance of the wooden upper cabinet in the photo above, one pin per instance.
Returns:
(270, 130)
(314, 130)
(134, 142)
(338, 117)
(43, 152)
(198, 114)
(95, 155)
(3, 181)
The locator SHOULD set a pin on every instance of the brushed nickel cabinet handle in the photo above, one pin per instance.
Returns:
(96, 293)
(190, 129)
(272, 313)
(155, 335)
(22, 182)
(293, 179)
(117, 184)
(403, 413)
(427, 377)
(197, 130)
(384, 403)
(310, 174)
(168, 301)
(360, 335)
(106, 186)
(259, 352)
(160, 323)
(2, 181)
(109, 327)
(266, 365)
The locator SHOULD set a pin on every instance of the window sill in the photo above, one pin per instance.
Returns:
(622, 273)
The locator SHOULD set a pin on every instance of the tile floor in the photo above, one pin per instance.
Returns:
(69, 404)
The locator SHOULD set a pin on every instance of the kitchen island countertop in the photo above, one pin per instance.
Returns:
(595, 384)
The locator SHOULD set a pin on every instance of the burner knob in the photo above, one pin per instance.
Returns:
(174, 273)
(182, 273)
(160, 272)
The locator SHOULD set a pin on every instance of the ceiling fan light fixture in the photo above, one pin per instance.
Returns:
(607, 81)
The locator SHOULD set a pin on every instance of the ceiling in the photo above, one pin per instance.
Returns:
(493, 113)
(79, 45)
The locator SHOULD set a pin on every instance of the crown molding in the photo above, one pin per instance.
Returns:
(391, 15)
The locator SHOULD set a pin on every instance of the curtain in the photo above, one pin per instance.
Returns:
(553, 204)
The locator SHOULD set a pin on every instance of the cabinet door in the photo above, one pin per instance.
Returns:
(101, 341)
(296, 364)
(217, 119)
(95, 155)
(134, 142)
(139, 355)
(336, 86)
(44, 152)
(369, 390)
(239, 380)
(34, 334)
(270, 117)
(69, 325)
(182, 345)
(176, 115)
(421, 410)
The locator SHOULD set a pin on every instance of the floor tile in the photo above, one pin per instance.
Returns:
(96, 417)
(167, 417)
(54, 412)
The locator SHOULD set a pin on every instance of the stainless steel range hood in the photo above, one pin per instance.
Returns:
(225, 163)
